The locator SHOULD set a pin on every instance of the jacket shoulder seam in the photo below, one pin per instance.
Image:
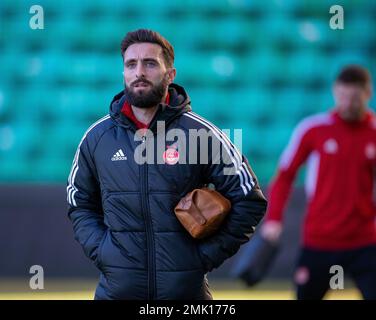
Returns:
(100, 137)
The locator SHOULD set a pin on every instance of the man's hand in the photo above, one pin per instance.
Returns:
(271, 230)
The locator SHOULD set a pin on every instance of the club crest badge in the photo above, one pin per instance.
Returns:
(331, 146)
(171, 155)
(370, 151)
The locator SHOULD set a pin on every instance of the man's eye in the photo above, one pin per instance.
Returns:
(131, 65)
(150, 64)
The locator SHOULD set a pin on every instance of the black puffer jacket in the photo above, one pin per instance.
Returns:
(122, 211)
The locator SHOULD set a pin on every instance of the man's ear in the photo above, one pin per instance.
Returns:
(171, 72)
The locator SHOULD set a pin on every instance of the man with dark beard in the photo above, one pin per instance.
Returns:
(123, 210)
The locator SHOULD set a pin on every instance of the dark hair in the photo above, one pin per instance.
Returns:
(144, 35)
(354, 74)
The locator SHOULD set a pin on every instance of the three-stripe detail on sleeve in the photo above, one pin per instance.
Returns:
(246, 179)
(71, 188)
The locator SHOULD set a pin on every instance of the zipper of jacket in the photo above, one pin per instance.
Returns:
(148, 224)
(149, 229)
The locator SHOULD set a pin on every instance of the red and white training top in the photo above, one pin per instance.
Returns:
(339, 181)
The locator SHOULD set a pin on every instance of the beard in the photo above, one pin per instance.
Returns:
(353, 114)
(146, 99)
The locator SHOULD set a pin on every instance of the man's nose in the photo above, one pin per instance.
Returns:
(347, 104)
(140, 71)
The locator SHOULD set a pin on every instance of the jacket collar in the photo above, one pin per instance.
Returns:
(179, 103)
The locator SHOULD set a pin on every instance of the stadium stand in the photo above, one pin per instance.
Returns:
(246, 64)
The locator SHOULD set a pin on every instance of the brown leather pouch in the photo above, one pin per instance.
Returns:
(202, 211)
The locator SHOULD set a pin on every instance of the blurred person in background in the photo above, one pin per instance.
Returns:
(123, 212)
(339, 227)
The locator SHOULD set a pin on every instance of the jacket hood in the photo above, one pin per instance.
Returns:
(179, 103)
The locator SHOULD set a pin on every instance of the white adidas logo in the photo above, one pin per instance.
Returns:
(119, 156)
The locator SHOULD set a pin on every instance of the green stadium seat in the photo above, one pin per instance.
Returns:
(254, 6)
(17, 33)
(223, 33)
(307, 66)
(65, 133)
(29, 104)
(58, 29)
(279, 29)
(5, 99)
(201, 68)
(16, 170)
(78, 102)
(66, 8)
(208, 7)
(263, 66)
(51, 167)
(250, 104)
(9, 4)
(321, 8)
(289, 103)
(209, 102)
(160, 8)
(357, 32)
(315, 33)
(254, 148)
(317, 101)
(19, 140)
(199, 30)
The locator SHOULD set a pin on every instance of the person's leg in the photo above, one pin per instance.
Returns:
(362, 268)
(312, 275)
